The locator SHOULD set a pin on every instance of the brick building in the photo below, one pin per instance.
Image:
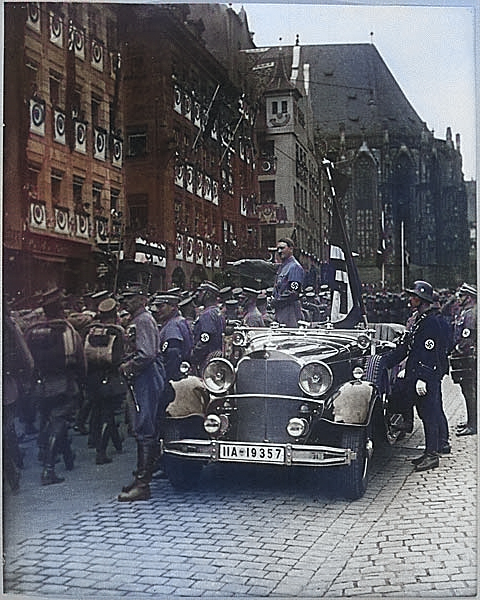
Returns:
(189, 171)
(63, 147)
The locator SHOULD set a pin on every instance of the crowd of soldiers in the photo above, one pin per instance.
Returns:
(89, 363)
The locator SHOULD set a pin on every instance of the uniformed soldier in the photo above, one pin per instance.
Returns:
(145, 373)
(209, 327)
(60, 369)
(176, 339)
(288, 285)
(426, 349)
(252, 317)
(464, 356)
(105, 349)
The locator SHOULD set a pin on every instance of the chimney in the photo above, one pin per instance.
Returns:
(457, 141)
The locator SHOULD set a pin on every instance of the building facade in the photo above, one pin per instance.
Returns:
(190, 171)
(63, 146)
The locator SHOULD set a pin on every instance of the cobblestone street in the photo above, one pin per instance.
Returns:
(249, 533)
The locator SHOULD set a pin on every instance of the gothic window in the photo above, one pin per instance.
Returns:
(365, 199)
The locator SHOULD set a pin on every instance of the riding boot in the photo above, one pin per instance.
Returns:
(116, 437)
(48, 475)
(102, 443)
(141, 488)
(64, 445)
(140, 464)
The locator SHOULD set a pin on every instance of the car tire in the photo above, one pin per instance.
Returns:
(376, 373)
(352, 479)
(182, 474)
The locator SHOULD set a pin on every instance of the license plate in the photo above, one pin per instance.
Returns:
(252, 453)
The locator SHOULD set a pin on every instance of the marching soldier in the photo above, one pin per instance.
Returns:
(60, 368)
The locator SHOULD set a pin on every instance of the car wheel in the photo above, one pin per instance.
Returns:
(352, 479)
(182, 474)
(377, 374)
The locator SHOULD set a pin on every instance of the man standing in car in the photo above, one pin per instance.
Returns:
(288, 285)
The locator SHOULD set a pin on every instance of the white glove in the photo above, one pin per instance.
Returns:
(401, 374)
(421, 387)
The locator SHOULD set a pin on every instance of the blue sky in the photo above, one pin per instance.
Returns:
(428, 49)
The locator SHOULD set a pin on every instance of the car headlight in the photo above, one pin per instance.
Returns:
(239, 338)
(215, 425)
(358, 372)
(218, 376)
(363, 341)
(297, 427)
(315, 378)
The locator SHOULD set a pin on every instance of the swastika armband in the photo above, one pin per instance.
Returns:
(205, 337)
(294, 286)
(429, 344)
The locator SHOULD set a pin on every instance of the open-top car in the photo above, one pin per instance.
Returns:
(311, 396)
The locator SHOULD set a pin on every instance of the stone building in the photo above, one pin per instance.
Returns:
(189, 171)
(63, 146)
(407, 195)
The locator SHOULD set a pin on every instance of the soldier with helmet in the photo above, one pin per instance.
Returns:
(426, 349)
(464, 356)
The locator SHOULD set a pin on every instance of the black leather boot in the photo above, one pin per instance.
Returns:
(141, 488)
(140, 465)
(102, 443)
(430, 461)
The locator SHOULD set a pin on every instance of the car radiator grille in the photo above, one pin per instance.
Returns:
(264, 414)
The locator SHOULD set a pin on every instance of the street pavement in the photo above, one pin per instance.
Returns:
(248, 532)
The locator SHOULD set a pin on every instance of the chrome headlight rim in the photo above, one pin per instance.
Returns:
(239, 338)
(210, 377)
(326, 374)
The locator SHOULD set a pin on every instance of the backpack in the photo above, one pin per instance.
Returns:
(104, 346)
(52, 344)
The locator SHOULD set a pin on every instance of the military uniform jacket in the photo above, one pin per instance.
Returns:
(466, 333)
(288, 285)
(176, 342)
(426, 348)
(207, 334)
(144, 340)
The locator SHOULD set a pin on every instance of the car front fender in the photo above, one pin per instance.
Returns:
(353, 403)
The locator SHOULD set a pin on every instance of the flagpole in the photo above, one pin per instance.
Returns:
(402, 244)
(383, 248)
(348, 252)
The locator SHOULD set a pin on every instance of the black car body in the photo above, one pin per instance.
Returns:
(311, 396)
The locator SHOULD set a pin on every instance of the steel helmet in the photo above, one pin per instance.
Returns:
(423, 290)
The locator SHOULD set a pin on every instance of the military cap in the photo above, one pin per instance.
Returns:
(107, 305)
(132, 290)
(51, 296)
(99, 296)
(166, 298)
(231, 302)
(185, 301)
(209, 286)
(468, 289)
(250, 292)
(225, 291)
(237, 291)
